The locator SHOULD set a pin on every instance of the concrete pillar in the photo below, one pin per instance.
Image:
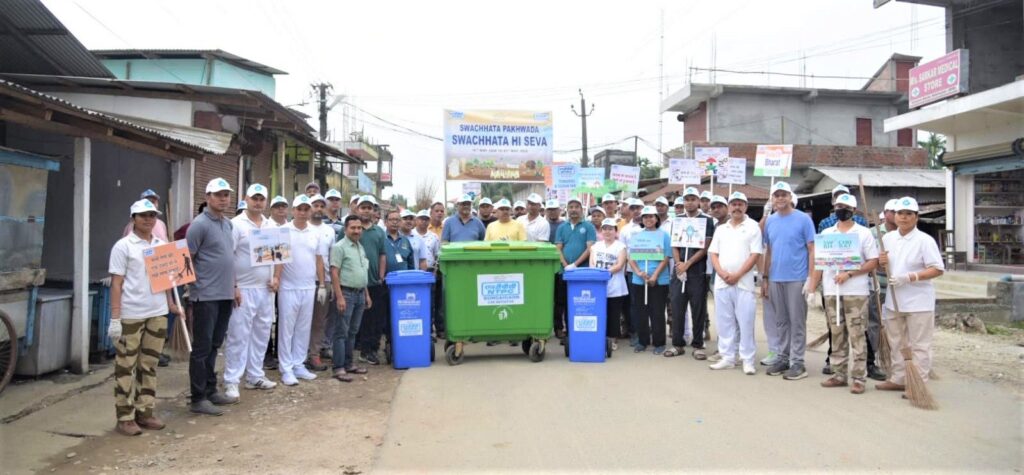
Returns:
(79, 354)
(280, 165)
(961, 195)
(182, 184)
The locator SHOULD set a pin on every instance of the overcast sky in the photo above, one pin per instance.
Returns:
(406, 61)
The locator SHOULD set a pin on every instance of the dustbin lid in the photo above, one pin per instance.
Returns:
(587, 274)
(498, 250)
(409, 277)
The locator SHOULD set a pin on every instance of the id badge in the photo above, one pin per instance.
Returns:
(398, 258)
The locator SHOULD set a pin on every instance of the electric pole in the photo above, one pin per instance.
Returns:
(583, 114)
(321, 90)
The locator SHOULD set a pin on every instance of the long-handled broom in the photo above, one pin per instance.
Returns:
(917, 391)
(180, 345)
(884, 350)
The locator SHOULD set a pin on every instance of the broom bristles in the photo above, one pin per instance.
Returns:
(180, 346)
(884, 351)
(818, 341)
(917, 391)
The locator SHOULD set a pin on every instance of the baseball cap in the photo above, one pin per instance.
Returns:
(848, 200)
(353, 199)
(317, 197)
(596, 209)
(312, 184)
(906, 204)
(301, 200)
(691, 191)
(502, 203)
(648, 210)
(423, 214)
(278, 200)
(679, 201)
(519, 204)
(635, 202)
(609, 222)
(890, 205)
(485, 201)
(218, 184)
(365, 199)
(332, 193)
(464, 199)
(719, 199)
(552, 204)
(608, 197)
(661, 201)
(782, 186)
(840, 188)
(241, 205)
(572, 199)
(256, 189)
(407, 214)
(143, 206)
(535, 198)
(736, 195)
(149, 193)
(705, 195)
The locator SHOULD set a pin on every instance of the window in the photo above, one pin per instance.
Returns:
(863, 132)
(905, 138)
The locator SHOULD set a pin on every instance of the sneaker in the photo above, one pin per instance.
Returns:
(778, 368)
(876, 373)
(205, 407)
(715, 357)
(220, 399)
(313, 363)
(288, 379)
(231, 390)
(615, 346)
(833, 382)
(369, 358)
(270, 364)
(303, 373)
(722, 364)
(262, 383)
(795, 372)
(749, 368)
(771, 360)
(128, 428)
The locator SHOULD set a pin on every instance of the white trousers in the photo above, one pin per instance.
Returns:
(735, 311)
(248, 335)
(294, 319)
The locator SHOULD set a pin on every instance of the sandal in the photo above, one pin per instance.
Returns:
(356, 370)
(698, 354)
(673, 351)
(343, 376)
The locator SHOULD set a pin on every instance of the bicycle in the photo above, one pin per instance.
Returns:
(8, 350)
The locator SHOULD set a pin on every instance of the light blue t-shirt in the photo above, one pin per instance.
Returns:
(788, 237)
(650, 266)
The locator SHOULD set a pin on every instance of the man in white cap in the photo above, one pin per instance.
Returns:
(519, 209)
(913, 260)
(831, 219)
(735, 250)
(536, 225)
(301, 282)
(432, 243)
(705, 201)
(332, 213)
(323, 317)
(611, 209)
(160, 228)
(211, 243)
(553, 212)
(719, 209)
(505, 228)
(420, 252)
(688, 287)
(790, 237)
(240, 208)
(486, 214)
(661, 206)
(249, 328)
(278, 211)
(597, 217)
(372, 240)
(850, 286)
(573, 240)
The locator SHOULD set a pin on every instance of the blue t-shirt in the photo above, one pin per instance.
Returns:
(788, 237)
(457, 231)
(650, 266)
(574, 238)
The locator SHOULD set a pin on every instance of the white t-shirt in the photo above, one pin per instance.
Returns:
(537, 230)
(432, 246)
(246, 275)
(606, 256)
(274, 224)
(914, 252)
(137, 300)
(300, 273)
(857, 285)
(326, 241)
(734, 245)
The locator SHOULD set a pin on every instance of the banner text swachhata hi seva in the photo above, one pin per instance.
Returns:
(497, 145)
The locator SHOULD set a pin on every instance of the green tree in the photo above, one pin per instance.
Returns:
(496, 191)
(648, 170)
(935, 145)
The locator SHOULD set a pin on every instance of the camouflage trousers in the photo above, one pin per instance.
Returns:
(138, 352)
(848, 336)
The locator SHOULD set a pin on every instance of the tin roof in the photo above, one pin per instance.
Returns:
(186, 54)
(34, 41)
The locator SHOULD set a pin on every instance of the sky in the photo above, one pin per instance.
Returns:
(404, 62)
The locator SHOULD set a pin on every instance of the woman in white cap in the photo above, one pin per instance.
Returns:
(138, 325)
(610, 254)
(649, 309)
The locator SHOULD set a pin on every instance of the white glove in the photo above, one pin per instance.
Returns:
(899, 280)
(114, 330)
(105, 281)
(807, 290)
(321, 295)
(570, 267)
(812, 299)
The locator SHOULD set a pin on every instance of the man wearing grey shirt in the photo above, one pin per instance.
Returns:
(213, 294)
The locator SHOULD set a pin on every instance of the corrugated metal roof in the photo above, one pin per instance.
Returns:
(218, 142)
(34, 41)
(884, 177)
(185, 54)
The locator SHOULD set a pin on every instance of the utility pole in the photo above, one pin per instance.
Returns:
(583, 114)
(321, 90)
(661, 86)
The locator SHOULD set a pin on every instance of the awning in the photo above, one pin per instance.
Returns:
(877, 177)
(211, 140)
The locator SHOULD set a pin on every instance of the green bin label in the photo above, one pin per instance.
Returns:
(499, 289)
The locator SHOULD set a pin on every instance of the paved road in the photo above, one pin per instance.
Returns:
(638, 412)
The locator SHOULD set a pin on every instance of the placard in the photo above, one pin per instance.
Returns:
(269, 246)
(169, 265)
(646, 247)
(709, 159)
(626, 177)
(837, 252)
(497, 145)
(689, 232)
(683, 171)
(733, 172)
(563, 177)
(472, 189)
(773, 160)
(499, 289)
(589, 179)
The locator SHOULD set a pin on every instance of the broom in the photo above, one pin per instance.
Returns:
(917, 392)
(180, 342)
(884, 350)
(818, 341)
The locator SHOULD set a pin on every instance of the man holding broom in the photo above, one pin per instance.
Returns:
(911, 259)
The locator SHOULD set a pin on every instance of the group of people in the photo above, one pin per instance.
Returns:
(331, 299)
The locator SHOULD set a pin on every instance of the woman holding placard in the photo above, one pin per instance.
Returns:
(649, 252)
(610, 254)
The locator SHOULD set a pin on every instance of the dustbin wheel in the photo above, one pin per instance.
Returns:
(536, 352)
(448, 344)
(608, 347)
(525, 344)
(452, 358)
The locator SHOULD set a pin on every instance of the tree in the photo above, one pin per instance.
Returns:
(426, 190)
(935, 145)
(648, 170)
(399, 200)
(496, 191)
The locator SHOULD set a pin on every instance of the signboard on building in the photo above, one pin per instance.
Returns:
(938, 79)
(773, 160)
(494, 145)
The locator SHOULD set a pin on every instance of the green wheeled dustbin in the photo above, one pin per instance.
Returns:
(498, 291)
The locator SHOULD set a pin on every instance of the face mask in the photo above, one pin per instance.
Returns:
(844, 214)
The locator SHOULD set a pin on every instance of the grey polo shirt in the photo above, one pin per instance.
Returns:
(212, 247)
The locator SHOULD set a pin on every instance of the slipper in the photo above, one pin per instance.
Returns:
(698, 354)
(343, 377)
(673, 351)
(356, 370)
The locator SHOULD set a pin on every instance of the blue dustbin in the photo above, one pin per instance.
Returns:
(587, 316)
(410, 345)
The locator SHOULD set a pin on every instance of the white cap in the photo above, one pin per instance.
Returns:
(609, 222)
(256, 189)
(143, 206)
(691, 191)
(705, 195)
(502, 203)
(407, 214)
(302, 199)
(318, 197)
(465, 199)
(485, 201)
(218, 184)
(241, 205)
(574, 198)
(782, 186)
(736, 195)
(608, 197)
(906, 204)
(353, 199)
(661, 201)
(635, 202)
(535, 198)
(552, 204)
(423, 214)
(719, 199)
(848, 200)
(367, 199)
(519, 204)
(648, 210)
(680, 201)
(890, 205)
(840, 188)
(596, 209)
(278, 200)
(332, 193)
